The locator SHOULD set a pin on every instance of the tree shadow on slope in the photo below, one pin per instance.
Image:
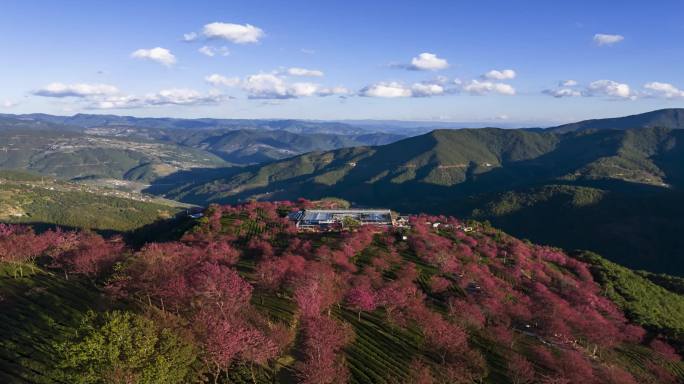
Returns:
(636, 226)
(194, 176)
(35, 312)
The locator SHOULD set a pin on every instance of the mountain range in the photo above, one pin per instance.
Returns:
(664, 118)
(613, 186)
(143, 149)
(614, 191)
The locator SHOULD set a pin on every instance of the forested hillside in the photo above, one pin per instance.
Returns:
(664, 118)
(242, 297)
(617, 192)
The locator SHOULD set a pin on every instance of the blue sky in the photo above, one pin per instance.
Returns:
(526, 62)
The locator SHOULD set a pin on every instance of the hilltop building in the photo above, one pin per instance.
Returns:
(340, 219)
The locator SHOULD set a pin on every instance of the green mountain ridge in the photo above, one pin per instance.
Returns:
(466, 171)
(666, 118)
(470, 160)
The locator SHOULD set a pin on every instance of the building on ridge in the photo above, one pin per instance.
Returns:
(341, 219)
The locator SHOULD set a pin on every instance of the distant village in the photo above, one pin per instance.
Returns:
(55, 185)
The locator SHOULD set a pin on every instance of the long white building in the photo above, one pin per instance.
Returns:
(330, 219)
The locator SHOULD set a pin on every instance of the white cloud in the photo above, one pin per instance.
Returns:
(303, 89)
(213, 51)
(104, 96)
(665, 90)
(505, 74)
(236, 33)
(428, 62)
(607, 39)
(116, 102)
(188, 37)
(386, 90)
(609, 88)
(161, 55)
(265, 86)
(76, 90)
(476, 87)
(174, 96)
(294, 71)
(272, 86)
(216, 80)
(562, 92)
(207, 51)
(181, 96)
(340, 91)
(395, 90)
(567, 83)
(307, 51)
(437, 87)
(8, 104)
(426, 89)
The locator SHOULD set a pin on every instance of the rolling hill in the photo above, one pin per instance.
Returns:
(462, 162)
(72, 155)
(42, 202)
(633, 177)
(665, 118)
(241, 297)
(137, 149)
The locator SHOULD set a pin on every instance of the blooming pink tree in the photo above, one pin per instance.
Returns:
(520, 370)
(226, 340)
(664, 349)
(439, 284)
(616, 375)
(219, 288)
(361, 298)
(91, 257)
(324, 339)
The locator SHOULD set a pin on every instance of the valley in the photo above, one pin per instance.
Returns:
(43, 202)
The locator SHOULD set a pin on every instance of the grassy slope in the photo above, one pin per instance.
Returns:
(645, 302)
(27, 199)
(34, 311)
